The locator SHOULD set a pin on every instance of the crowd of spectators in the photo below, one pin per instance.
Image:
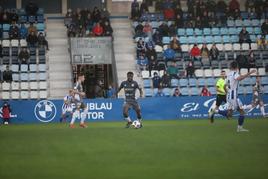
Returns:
(87, 23)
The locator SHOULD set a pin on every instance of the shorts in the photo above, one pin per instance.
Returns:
(257, 99)
(234, 104)
(67, 109)
(132, 104)
(220, 99)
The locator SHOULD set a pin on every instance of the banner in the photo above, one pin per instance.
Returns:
(161, 108)
(94, 50)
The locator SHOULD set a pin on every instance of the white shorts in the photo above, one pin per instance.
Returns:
(67, 109)
(234, 104)
(77, 114)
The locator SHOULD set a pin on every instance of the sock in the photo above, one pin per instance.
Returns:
(241, 120)
(248, 106)
(262, 110)
(83, 117)
(76, 114)
(128, 119)
(223, 113)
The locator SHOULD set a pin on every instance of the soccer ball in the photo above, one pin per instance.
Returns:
(136, 124)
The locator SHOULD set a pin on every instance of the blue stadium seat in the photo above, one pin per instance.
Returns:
(40, 19)
(209, 39)
(195, 91)
(238, 23)
(264, 80)
(238, 30)
(198, 31)
(32, 77)
(206, 31)
(189, 31)
(244, 15)
(212, 90)
(247, 22)
(215, 31)
(248, 89)
(224, 31)
(255, 22)
(183, 40)
(183, 82)
(265, 89)
(40, 27)
(217, 39)
(250, 30)
(210, 82)
(6, 27)
(257, 30)
(166, 40)
(200, 39)
(42, 67)
(192, 82)
(192, 40)
(31, 19)
(167, 91)
(174, 82)
(15, 77)
(253, 38)
(184, 91)
(232, 31)
(241, 90)
(23, 19)
(148, 92)
(226, 39)
(201, 82)
(234, 38)
(42, 76)
(181, 31)
(24, 77)
(147, 83)
(230, 23)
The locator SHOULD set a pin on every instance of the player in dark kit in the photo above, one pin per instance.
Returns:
(130, 87)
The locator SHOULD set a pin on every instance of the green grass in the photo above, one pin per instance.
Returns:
(162, 149)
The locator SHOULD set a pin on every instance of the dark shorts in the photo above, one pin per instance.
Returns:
(220, 99)
(131, 104)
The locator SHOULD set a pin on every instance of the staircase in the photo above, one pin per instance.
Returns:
(125, 50)
(60, 72)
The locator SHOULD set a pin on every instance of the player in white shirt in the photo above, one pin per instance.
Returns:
(67, 105)
(81, 110)
(233, 101)
(257, 98)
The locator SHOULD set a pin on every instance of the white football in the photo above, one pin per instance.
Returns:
(136, 124)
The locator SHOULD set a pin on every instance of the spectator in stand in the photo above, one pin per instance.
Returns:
(6, 111)
(98, 29)
(148, 30)
(71, 31)
(179, 21)
(262, 42)
(236, 14)
(140, 47)
(108, 30)
(233, 6)
(250, 6)
(31, 8)
(195, 53)
(5, 19)
(32, 39)
(156, 80)
(204, 54)
(7, 75)
(142, 61)
(149, 43)
(89, 24)
(23, 31)
(175, 44)
(42, 42)
(144, 7)
(99, 90)
(173, 71)
(178, 10)
(157, 38)
(177, 93)
(200, 7)
(251, 60)
(205, 92)
(221, 6)
(168, 54)
(139, 30)
(159, 92)
(96, 15)
(164, 29)
(214, 52)
(111, 92)
(172, 29)
(152, 59)
(14, 17)
(241, 60)
(198, 22)
(244, 36)
(14, 32)
(24, 56)
(169, 13)
(264, 27)
(166, 83)
(32, 28)
(135, 10)
(205, 20)
(190, 69)
(212, 20)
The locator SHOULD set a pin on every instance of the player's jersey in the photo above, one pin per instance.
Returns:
(78, 86)
(68, 100)
(232, 85)
(130, 90)
(221, 85)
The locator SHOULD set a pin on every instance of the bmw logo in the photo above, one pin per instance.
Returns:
(45, 111)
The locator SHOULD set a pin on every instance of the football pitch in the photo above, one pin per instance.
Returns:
(175, 149)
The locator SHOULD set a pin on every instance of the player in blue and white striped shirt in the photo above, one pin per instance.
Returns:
(233, 101)
(67, 105)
